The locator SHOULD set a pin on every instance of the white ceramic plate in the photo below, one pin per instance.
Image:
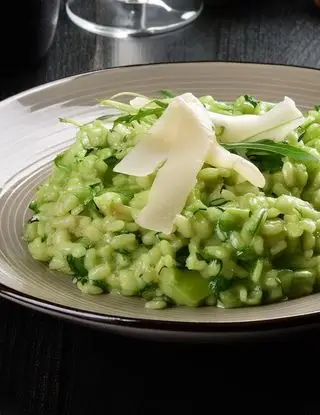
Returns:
(31, 135)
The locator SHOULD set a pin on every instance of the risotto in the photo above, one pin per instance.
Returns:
(224, 214)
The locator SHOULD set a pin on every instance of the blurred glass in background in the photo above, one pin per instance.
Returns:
(33, 29)
(123, 18)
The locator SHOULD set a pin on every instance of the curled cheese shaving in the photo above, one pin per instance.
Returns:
(183, 138)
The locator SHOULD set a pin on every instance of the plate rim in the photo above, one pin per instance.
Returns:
(71, 313)
(62, 311)
(61, 80)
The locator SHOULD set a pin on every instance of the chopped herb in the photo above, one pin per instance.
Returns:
(58, 161)
(221, 234)
(95, 184)
(251, 100)
(34, 207)
(96, 189)
(77, 267)
(218, 202)
(138, 238)
(111, 161)
(122, 251)
(181, 256)
(202, 257)
(168, 300)
(199, 210)
(33, 219)
(219, 284)
(159, 236)
(149, 291)
(246, 254)
(101, 284)
(162, 268)
(123, 232)
(89, 151)
(167, 93)
(261, 218)
(91, 204)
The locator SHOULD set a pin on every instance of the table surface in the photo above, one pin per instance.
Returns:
(48, 366)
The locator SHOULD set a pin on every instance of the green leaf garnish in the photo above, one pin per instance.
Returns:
(34, 207)
(167, 93)
(111, 161)
(58, 161)
(268, 146)
(142, 113)
(219, 284)
(266, 162)
(251, 100)
(149, 291)
(160, 103)
(101, 284)
(77, 267)
(317, 107)
(261, 217)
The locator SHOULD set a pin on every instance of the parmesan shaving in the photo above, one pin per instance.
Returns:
(274, 124)
(178, 144)
(220, 157)
(177, 177)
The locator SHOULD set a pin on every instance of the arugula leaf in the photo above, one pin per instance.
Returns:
(77, 267)
(160, 103)
(266, 162)
(251, 100)
(219, 284)
(268, 146)
(142, 113)
(167, 93)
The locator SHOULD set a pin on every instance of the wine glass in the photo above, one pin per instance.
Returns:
(124, 18)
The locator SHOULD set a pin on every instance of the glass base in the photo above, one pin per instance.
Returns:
(124, 18)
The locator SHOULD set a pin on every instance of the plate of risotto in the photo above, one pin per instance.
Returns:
(171, 200)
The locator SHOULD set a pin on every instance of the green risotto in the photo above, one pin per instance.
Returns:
(232, 245)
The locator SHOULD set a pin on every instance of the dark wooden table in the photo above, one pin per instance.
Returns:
(48, 366)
